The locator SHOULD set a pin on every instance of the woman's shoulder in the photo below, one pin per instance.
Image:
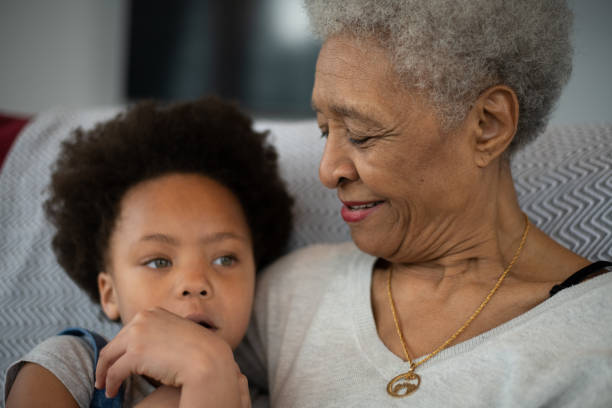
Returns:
(314, 262)
(590, 271)
(290, 292)
(319, 251)
(590, 294)
(570, 314)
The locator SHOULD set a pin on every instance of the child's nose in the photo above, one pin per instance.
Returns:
(187, 292)
(194, 283)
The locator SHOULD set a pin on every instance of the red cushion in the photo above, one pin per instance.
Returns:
(10, 126)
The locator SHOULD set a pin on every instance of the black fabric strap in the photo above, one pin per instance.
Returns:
(579, 276)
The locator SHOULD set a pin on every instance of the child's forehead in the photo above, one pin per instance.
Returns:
(179, 205)
(176, 186)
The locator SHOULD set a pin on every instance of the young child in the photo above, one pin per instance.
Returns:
(160, 210)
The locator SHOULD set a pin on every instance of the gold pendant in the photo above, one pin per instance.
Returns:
(404, 384)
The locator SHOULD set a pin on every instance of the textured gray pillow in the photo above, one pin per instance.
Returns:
(564, 180)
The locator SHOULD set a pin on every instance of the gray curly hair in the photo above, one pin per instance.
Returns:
(452, 50)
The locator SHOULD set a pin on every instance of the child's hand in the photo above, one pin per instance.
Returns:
(163, 397)
(176, 352)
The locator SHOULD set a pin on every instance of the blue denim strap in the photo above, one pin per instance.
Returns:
(96, 342)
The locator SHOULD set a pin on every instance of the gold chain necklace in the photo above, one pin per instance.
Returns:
(407, 383)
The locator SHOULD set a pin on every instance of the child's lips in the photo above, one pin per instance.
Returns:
(203, 321)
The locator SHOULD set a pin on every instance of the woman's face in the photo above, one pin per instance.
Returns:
(403, 181)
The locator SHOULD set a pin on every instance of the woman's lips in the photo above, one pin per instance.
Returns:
(355, 211)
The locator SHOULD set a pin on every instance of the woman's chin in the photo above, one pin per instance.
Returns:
(376, 243)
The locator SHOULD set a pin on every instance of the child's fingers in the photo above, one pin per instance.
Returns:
(108, 356)
(245, 397)
(130, 334)
(116, 373)
(163, 397)
(141, 347)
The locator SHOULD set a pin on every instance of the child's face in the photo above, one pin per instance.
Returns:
(181, 242)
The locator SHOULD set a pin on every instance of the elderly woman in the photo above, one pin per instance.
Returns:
(445, 297)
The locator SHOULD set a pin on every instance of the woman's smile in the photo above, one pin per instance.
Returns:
(355, 211)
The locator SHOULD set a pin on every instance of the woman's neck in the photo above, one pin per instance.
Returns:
(479, 242)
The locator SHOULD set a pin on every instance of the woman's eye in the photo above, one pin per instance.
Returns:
(158, 263)
(324, 134)
(225, 260)
(359, 140)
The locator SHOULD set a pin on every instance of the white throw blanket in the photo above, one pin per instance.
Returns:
(564, 181)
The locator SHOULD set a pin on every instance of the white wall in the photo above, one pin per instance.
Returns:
(72, 53)
(61, 52)
(588, 95)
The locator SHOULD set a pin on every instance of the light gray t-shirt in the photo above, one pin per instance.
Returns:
(71, 360)
(313, 343)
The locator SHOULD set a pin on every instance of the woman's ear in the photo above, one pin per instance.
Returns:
(497, 112)
(108, 295)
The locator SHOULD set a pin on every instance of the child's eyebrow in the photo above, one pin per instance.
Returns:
(216, 237)
(220, 236)
(166, 239)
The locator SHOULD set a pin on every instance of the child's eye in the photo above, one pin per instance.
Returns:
(225, 260)
(158, 263)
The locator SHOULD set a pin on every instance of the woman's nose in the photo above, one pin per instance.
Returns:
(336, 166)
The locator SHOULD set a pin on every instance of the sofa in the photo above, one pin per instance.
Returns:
(563, 179)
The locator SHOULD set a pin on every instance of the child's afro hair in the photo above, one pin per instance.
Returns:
(210, 137)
